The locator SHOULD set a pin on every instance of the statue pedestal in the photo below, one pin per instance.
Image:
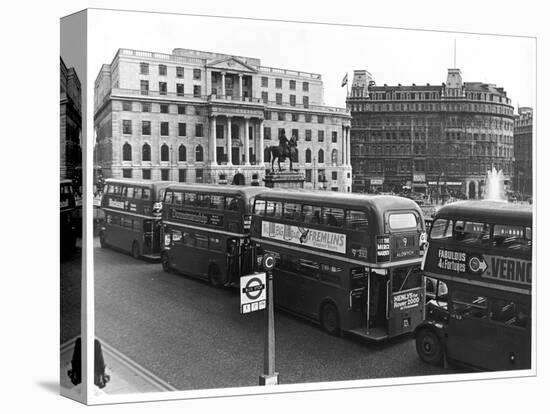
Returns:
(284, 179)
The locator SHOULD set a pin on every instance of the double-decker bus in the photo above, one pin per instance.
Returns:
(350, 262)
(68, 219)
(133, 212)
(479, 263)
(206, 231)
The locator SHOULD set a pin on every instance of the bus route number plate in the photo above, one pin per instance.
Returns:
(253, 292)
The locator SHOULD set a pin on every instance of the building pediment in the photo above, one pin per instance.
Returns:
(231, 64)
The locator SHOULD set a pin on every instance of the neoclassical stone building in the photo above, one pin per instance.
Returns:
(194, 116)
(435, 139)
(523, 151)
(70, 124)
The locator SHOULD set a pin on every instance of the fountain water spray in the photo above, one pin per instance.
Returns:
(494, 185)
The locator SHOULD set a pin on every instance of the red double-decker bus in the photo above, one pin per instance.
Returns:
(133, 210)
(350, 262)
(479, 263)
(206, 231)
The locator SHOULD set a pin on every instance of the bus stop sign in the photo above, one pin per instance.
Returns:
(253, 292)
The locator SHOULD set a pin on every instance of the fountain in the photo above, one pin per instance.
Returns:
(494, 186)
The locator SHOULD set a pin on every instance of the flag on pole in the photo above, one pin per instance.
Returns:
(345, 80)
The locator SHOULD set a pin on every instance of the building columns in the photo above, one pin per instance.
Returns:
(241, 86)
(246, 142)
(229, 153)
(261, 144)
(348, 149)
(223, 85)
(213, 153)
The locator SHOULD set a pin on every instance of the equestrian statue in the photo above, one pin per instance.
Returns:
(286, 149)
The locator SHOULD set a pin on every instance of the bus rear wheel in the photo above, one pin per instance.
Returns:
(215, 276)
(330, 320)
(135, 250)
(429, 347)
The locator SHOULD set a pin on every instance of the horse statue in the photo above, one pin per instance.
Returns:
(285, 149)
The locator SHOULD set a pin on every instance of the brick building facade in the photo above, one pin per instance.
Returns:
(434, 139)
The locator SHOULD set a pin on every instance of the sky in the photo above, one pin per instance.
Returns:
(392, 56)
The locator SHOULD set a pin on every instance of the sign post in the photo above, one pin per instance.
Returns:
(269, 377)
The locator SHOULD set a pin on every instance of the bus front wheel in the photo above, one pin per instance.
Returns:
(330, 320)
(135, 250)
(165, 260)
(215, 276)
(429, 347)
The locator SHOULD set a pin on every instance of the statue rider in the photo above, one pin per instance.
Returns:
(284, 144)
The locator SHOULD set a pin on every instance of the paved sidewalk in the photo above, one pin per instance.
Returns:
(126, 375)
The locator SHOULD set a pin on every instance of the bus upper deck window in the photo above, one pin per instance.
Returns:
(146, 194)
(130, 192)
(232, 203)
(168, 196)
(137, 193)
(292, 211)
(402, 221)
(311, 214)
(441, 229)
(216, 202)
(357, 220)
(190, 199)
(333, 216)
(259, 207)
(177, 198)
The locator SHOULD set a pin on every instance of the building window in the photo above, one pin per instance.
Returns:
(196, 91)
(334, 157)
(181, 109)
(182, 175)
(163, 89)
(308, 134)
(293, 100)
(278, 83)
(267, 115)
(182, 129)
(320, 119)
(179, 71)
(182, 153)
(267, 132)
(320, 135)
(164, 153)
(279, 98)
(308, 117)
(165, 174)
(143, 68)
(180, 89)
(164, 129)
(305, 102)
(265, 97)
(196, 74)
(146, 174)
(308, 155)
(334, 175)
(294, 117)
(264, 81)
(162, 70)
(295, 133)
(334, 136)
(145, 127)
(126, 152)
(220, 131)
(127, 173)
(126, 106)
(321, 156)
(199, 175)
(145, 107)
(127, 126)
(199, 157)
(308, 176)
(146, 152)
(292, 85)
(198, 130)
(163, 108)
(305, 86)
(281, 116)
